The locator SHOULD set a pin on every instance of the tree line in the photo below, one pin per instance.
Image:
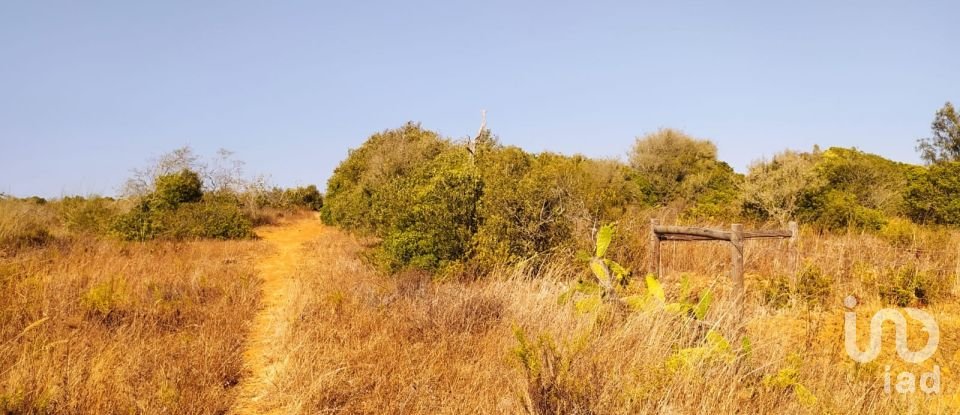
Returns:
(439, 204)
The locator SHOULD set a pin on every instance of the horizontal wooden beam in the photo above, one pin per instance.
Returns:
(679, 237)
(686, 233)
(690, 231)
(767, 234)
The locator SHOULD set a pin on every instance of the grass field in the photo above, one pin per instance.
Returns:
(107, 327)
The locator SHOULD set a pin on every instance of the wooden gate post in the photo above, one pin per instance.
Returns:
(794, 252)
(654, 248)
(736, 254)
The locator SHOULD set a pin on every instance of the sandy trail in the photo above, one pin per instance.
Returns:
(262, 358)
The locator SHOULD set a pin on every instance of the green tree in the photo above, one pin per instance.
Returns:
(933, 194)
(668, 158)
(873, 181)
(944, 144)
(777, 189)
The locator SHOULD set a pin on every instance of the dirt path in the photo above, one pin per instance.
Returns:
(262, 360)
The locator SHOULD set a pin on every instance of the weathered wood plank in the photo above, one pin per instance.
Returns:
(686, 230)
(681, 238)
(767, 234)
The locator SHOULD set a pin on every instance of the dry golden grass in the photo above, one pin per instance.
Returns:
(25, 224)
(107, 327)
(368, 343)
(263, 359)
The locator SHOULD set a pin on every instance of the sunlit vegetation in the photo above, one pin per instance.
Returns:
(470, 276)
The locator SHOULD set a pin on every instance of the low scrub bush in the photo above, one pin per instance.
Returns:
(304, 197)
(178, 209)
(91, 215)
(212, 220)
(814, 287)
(834, 189)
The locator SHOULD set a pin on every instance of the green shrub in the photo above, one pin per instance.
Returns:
(308, 197)
(714, 193)
(835, 189)
(907, 286)
(870, 180)
(171, 190)
(436, 217)
(305, 197)
(836, 209)
(523, 204)
(436, 203)
(776, 291)
(900, 232)
(374, 173)
(812, 289)
(669, 159)
(776, 189)
(207, 220)
(139, 224)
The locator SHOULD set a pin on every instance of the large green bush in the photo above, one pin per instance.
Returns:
(523, 210)
(306, 197)
(435, 202)
(435, 213)
(374, 174)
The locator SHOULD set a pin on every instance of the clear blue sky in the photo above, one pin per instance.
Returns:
(91, 89)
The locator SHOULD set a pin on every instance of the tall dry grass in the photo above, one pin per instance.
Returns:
(369, 343)
(104, 327)
(25, 224)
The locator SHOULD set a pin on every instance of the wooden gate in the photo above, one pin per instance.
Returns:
(735, 236)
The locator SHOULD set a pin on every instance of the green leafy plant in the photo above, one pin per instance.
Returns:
(788, 379)
(687, 305)
(609, 277)
(715, 348)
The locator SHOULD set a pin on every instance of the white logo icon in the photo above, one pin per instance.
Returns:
(906, 382)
